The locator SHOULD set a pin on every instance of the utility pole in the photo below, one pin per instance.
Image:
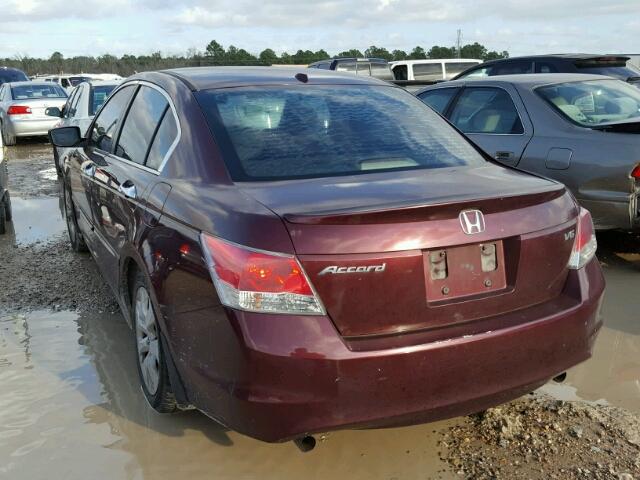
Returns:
(459, 42)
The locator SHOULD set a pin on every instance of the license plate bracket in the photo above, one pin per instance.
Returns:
(464, 271)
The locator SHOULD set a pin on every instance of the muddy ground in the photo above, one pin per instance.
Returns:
(70, 404)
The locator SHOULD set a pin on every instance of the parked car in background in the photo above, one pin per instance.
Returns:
(83, 103)
(68, 82)
(582, 130)
(308, 251)
(371, 67)
(609, 65)
(22, 109)
(431, 69)
(5, 198)
(8, 74)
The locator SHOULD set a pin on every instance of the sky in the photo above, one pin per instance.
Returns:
(37, 28)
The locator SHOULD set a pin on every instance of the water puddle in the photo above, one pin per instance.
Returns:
(71, 406)
(612, 375)
(35, 219)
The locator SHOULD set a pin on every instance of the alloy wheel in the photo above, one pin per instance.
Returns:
(147, 340)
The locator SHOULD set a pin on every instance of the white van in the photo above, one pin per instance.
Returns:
(431, 70)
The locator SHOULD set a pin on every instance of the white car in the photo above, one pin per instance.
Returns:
(431, 69)
(83, 103)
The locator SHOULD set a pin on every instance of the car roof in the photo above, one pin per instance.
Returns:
(205, 78)
(563, 56)
(533, 79)
(436, 60)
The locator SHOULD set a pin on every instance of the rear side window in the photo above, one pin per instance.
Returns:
(486, 110)
(165, 137)
(438, 99)
(382, 71)
(274, 133)
(145, 113)
(454, 68)
(512, 68)
(546, 67)
(427, 71)
(104, 127)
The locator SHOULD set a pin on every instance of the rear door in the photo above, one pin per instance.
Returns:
(495, 119)
(124, 179)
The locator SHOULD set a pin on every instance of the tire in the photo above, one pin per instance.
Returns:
(8, 214)
(75, 237)
(9, 140)
(56, 162)
(150, 355)
(3, 219)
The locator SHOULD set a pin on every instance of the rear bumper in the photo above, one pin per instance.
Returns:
(279, 377)
(31, 127)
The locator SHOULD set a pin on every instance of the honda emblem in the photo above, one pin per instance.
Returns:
(471, 221)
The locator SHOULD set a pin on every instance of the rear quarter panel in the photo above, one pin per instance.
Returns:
(599, 169)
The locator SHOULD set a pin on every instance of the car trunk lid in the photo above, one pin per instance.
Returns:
(387, 252)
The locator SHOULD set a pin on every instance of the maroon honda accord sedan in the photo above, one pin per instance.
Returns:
(298, 252)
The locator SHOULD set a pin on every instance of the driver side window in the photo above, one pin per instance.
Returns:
(103, 131)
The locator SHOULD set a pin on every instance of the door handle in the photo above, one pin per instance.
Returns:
(504, 155)
(128, 189)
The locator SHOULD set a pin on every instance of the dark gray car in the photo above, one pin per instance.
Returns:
(583, 130)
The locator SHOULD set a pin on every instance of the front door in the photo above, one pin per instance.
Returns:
(124, 179)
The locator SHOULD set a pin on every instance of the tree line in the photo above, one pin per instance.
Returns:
(216, 54)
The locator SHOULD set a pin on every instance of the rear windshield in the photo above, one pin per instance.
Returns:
(7, 76)
(595, 101)
(37, 90)
(98, 96)
(276, 133)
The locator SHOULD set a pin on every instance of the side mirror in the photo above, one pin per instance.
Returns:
(65, 137)
(53, 112)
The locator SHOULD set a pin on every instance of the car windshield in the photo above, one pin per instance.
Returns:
(594, 102)
(275, 133)
(99, 95)
(37, 90)
(7, 76)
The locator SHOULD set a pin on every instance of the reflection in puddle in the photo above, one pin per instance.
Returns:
(36, 219)
(71, 407)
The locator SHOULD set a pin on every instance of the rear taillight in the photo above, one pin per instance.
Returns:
(585, 244)
(258, 281)
(18, 110)
(635, 173)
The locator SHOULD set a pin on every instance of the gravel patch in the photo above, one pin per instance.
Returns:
(537, 437)
(51, 275)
